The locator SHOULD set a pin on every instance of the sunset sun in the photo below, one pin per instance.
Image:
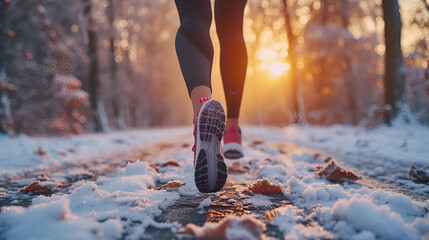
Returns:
(278, 68)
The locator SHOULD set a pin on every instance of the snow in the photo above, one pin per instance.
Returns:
(259, 200)
(103, 209)
(348, 211)
(55, 215)
(288, 220)
(401, 142)
(19, 154)
(349, 217)
(205, 203)
(124, 203)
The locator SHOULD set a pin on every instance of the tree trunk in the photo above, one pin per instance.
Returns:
(296, 116)
(2, 75)
(394, 79)
(117, 106)
(97, 106)
(6, 122)
(349, 76)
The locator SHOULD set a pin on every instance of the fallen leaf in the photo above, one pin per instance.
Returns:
(171, 186)
(316, 207)
(269, 215)
(238, 167)
(170, 163)
(335, 173)
(64, 216)
(154, 166)
(42, 184)
(10, 33)
(28, 55)
(41, 151)
(264, 186)
(62, 153)
(418, 174)
(245, 227)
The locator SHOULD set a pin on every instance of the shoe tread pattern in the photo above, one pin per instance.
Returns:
(211, 127)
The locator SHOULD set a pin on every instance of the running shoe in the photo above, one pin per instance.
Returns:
(210, 168)
(232, 143)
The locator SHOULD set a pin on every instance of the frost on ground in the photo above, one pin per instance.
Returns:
(22, 153)
(130, 202)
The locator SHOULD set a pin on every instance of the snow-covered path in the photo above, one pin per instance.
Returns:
(116, 196)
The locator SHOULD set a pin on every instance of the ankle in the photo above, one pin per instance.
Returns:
(232, 122)
(196, 94)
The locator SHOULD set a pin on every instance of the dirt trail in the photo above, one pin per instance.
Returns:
(234, 199)
(85, 169)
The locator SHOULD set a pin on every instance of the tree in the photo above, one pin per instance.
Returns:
(2, 75)
(349, 76)
(6, 121)
(295, 115)
(394, 79)
(117, 106)
(97, 106)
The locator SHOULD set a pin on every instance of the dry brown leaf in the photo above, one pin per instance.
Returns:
(171, 186)
(269, 215)
(41, 151)
(257, 142)
(9, 33)
(218, 230)
(42, 184)
(418, 174)
(264, 186)
(335, 173)
(238, 167)
(154, 166)
(61, 152)
(316, 207)
(170, 163)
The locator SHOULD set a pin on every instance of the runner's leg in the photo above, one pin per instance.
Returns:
(195, 53)
(233, 54)
(194, 48)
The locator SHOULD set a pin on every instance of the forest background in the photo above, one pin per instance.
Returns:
(95, 65)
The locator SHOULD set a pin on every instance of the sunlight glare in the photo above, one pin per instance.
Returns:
(278, 68)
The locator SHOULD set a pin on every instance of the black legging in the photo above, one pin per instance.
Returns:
(195, 50)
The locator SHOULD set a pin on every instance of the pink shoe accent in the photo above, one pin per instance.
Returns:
(232, 143)
(232, 135)
(202, 100)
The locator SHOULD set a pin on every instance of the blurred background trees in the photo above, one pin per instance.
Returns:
(94, 65)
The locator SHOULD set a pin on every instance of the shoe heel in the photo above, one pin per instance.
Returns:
(201, 175)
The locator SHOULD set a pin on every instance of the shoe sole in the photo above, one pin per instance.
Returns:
(210, 168)
(232, 150)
